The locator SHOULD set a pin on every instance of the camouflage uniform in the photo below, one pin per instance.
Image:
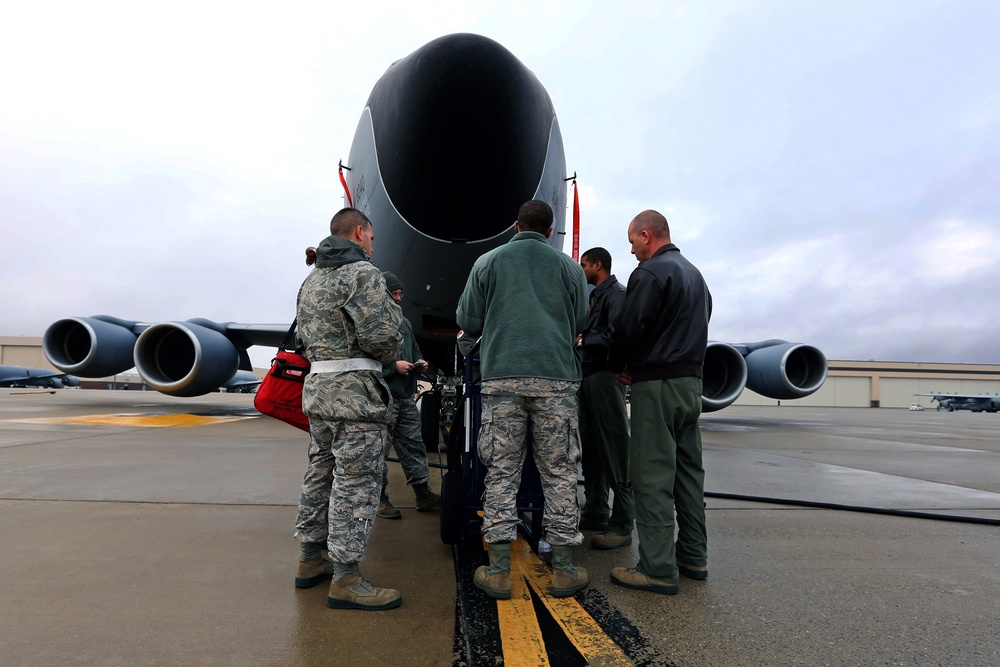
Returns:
(406, 439)
(548, 408)
(345, 313)
(405, 435)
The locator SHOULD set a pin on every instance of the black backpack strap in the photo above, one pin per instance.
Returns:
(288, 342)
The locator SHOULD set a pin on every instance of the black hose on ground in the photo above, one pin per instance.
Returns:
(854, 508)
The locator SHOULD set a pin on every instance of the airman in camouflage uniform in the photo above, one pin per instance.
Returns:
(528, 301)
(349, 327)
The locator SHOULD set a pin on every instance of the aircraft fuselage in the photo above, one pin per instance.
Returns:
(453, 139)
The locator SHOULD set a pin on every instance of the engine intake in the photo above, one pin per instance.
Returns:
(783, 370)
(184, 358)
(90, 346)
(724, 376)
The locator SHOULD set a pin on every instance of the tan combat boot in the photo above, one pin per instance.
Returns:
(696, 572)
(631, 577)
(495, 579)
(427, 500)
(353, 591)
(387, 510)
(610, 539)
(567, 580)
(311, 572)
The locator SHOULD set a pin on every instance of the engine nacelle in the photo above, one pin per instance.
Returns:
(723, 376)
(90, 346)
(783, 370)
(185, 359)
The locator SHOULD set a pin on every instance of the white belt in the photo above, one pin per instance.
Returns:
(344, 365)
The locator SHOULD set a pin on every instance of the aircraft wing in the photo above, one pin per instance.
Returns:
(21, 376)
(187, 358)
(963, 397)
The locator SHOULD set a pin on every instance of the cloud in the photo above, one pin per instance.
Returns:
(958, 252)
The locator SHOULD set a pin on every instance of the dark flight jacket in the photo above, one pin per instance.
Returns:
(662, 331)
(605, 303)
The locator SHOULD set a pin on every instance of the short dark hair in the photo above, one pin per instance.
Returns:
(599, 255)
(534, 216)
(346, 220)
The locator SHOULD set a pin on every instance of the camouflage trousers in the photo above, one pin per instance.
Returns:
(341, 486)
(407, 441)
(552, 421)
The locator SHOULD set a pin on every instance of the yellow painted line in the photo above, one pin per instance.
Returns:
(520, 634)
(139, 420)
(580, 628)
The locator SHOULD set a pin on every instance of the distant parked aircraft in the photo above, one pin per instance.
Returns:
(973, 402)
(243, 382)
(20, 376)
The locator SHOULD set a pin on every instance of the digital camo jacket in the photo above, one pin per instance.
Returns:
(345, 312)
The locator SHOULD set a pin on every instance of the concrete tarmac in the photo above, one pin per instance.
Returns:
(125, 544)
(135, 545)
(798, 586)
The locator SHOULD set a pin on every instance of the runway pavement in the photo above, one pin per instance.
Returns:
(125, 543)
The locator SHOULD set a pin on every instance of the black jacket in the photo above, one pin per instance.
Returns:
(662, 331)
(605, 303)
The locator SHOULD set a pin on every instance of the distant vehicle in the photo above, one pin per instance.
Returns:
(973, 402)
(916, 407)
(21, 376)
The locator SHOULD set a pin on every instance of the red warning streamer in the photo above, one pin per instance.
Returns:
(576, 223)
(343, 181)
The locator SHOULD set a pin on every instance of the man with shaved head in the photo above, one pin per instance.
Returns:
(658, 347)
(349, 327)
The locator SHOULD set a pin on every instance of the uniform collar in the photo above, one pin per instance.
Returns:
(605, 286)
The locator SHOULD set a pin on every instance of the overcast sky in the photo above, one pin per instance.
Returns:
(833, 168)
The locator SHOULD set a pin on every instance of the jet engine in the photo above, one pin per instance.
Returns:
(723, 377)
(779, 369)
(186, 358)
(90, 346)
(58, 383)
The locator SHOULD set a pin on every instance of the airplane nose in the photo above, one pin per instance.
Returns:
(461, 128)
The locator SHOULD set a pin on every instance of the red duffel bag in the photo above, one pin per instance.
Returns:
(280, 392)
